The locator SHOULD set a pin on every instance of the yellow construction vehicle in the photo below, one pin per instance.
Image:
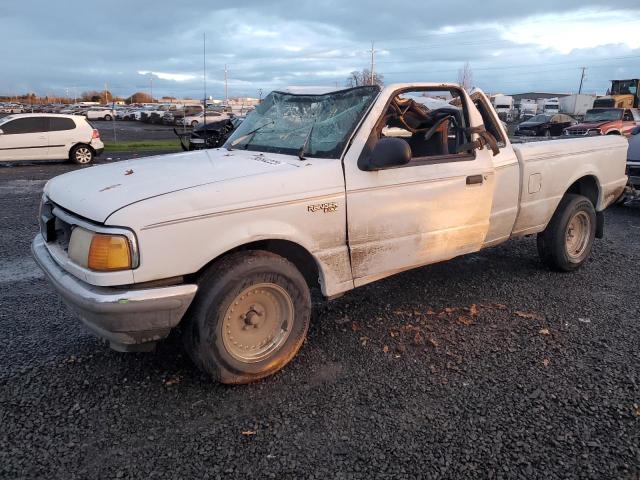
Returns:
(622, 94)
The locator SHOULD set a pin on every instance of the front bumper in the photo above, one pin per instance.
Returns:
(130, 320)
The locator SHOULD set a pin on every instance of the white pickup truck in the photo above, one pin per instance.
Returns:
(331, 191)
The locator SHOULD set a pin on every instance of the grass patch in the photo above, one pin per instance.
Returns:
(142, 145)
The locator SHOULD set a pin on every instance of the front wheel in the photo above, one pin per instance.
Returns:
(108, 118)
(194, 124)
(567, 241)
(81, 154)
(249, 318)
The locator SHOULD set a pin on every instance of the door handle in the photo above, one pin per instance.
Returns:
(474, 180)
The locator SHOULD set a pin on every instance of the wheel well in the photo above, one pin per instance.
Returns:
(293, 252)
(79, 144)
(587, 187)
(613, 132)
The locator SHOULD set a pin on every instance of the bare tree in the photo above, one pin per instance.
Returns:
(357, 79)
(91, 96)
(139, 97)
(465, 77)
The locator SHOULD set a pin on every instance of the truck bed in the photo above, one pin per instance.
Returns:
(547, 167)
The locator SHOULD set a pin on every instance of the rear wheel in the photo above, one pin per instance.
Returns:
(249, 318)
(81, 154)
(108, 118)
(567, 241)
(194, 124)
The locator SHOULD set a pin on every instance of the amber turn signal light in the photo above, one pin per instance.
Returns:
(109, 252)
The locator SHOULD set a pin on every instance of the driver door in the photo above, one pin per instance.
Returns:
(432, 209)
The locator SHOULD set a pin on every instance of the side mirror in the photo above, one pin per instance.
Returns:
(389, 152)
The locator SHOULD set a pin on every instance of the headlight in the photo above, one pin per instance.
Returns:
(594, 131)
(99, 251)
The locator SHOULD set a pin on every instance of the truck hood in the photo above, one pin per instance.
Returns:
(95, 193)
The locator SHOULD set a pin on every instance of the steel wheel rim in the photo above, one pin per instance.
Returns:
(83, 155)
(257, 322)
(577, 235)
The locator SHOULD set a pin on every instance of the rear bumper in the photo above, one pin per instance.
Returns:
(128, 319)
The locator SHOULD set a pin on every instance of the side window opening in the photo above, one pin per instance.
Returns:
(25, 125)
(58, 124)
(433, 123)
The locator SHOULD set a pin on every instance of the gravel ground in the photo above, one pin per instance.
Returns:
(488, 366)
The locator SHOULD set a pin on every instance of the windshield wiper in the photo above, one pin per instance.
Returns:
(250, 134)
(303, 148)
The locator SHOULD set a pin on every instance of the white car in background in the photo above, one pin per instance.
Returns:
(42, 136)
(127, 113)
(98, 113)
(147, 109)
(11, 108)
(195, 120)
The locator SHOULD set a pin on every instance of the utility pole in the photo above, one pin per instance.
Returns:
(581, 80)
(226, 90)
(106, 96)
(372, 63)
(151, 83)
(204, 78)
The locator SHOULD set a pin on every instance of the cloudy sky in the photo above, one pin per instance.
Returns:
(54, 47)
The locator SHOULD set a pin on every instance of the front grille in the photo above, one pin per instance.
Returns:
(577, 131)
(63, 233)
(53, 229)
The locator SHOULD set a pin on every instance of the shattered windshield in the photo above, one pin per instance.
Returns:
(320, 125)
(603, 115)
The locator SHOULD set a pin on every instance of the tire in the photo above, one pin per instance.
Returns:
(269, 292)
(566, 243)
(81, 154)
(108, 118)
(194, 124)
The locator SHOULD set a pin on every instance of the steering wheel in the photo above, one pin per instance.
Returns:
(402, 107)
